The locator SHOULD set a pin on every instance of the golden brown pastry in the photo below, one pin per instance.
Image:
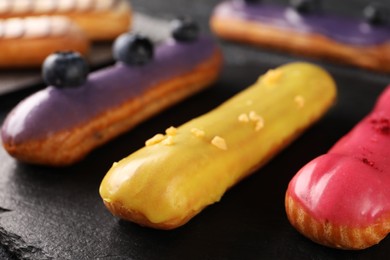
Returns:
(100, 19)
(179, 173)
(26, 42)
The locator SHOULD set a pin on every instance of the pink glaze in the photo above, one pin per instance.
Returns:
(350, 185)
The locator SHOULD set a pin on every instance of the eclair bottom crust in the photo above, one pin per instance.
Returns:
(330, 234)
(71, 145)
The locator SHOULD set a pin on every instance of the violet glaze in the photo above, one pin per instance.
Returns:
(342, 29)
(350, 185)
(55, 109)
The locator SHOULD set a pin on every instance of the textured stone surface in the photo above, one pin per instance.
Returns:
(57, 213)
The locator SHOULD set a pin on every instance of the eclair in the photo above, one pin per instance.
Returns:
(342, 199)
(180, 172)
(26, 42)
(99, 19)
(302, 29)
(60, 124)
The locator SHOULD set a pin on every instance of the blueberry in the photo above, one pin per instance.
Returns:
(373, 14)
(304, 6)
(133, 49)
(184, 29)
(65, 69)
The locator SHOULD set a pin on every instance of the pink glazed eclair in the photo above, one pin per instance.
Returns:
(342, 199)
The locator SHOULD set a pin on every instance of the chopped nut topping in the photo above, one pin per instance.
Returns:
(219, 142)
(243, 118)
(299, 100)
(155, 139)
(171, 131)
(272, 76)
(168, 140)
(259, 125)
(197, 132)
(253, 116)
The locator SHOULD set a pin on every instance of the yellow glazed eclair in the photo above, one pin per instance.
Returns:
(177, 174)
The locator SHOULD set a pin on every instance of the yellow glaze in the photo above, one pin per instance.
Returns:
(186, 169)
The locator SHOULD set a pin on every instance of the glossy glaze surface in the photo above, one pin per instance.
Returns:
(342, 29)
(177, 174)
(350, 184)
(52, 109)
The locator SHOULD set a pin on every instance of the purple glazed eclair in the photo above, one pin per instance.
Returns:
(60, 126)
(302, 30)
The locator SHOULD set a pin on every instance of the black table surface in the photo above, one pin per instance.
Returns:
(57, 212)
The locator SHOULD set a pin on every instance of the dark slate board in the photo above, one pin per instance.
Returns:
(57, 212)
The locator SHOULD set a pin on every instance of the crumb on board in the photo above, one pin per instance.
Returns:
(154, 140)
(197, 132)
(219, 142)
